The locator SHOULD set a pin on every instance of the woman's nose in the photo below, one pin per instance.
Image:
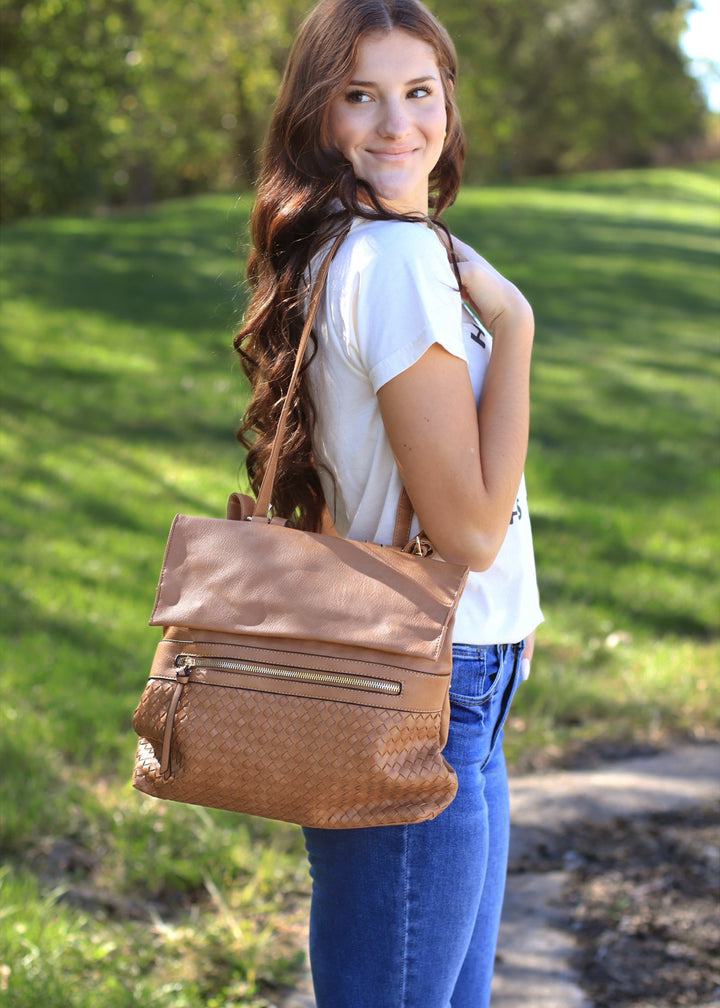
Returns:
(394, 120)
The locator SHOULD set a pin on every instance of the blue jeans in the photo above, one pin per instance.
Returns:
(408, 916)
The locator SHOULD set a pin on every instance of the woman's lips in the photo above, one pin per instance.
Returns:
(392, 155)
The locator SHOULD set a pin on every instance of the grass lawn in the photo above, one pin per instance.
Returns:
(119, 396)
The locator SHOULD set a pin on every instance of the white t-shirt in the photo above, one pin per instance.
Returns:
(390, 294)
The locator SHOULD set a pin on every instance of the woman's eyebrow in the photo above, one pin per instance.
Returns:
(411, 83)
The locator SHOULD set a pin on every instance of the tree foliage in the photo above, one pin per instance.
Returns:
(130, 100)
(556, 85)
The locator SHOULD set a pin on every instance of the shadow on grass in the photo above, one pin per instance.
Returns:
(615, 267)
(625, 579)
(33, 792)
(153, 409)
(175, 266)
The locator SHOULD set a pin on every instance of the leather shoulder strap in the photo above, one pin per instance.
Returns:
(403, 520)
(262, 508)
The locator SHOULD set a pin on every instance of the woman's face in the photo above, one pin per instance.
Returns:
(390, 119)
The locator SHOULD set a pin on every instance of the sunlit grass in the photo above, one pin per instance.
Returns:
(623, 472)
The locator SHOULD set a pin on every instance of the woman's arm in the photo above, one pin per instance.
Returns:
(460, 466)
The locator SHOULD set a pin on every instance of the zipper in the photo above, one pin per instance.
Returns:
(347, 679)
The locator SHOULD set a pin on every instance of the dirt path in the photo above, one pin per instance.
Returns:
(578, 916)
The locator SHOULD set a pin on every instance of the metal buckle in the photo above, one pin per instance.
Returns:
(419, 547)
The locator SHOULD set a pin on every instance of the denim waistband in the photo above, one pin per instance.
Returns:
(470, 650)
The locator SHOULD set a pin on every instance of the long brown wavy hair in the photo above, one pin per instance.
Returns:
(307, 192)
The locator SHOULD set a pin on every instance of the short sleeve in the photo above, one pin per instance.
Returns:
(406, 298)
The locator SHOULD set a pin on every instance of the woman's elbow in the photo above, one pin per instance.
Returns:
(476, 551)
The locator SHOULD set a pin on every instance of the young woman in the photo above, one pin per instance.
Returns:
(403, 388)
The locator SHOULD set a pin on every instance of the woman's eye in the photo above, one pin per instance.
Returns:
(357, 97)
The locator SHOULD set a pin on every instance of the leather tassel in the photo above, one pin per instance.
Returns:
(183, 676)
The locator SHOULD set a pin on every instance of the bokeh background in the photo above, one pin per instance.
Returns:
(125, 101)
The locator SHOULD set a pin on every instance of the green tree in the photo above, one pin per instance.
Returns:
(203, 76)
(555, 85)
(129, 100)
(64, 64)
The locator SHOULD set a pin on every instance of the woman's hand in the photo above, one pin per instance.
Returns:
(526, 659)
(496, 300)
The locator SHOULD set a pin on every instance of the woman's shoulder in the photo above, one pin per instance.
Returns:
(383, 241)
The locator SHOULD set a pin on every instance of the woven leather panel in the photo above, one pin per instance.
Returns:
(388, 770)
